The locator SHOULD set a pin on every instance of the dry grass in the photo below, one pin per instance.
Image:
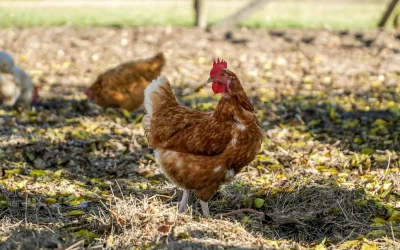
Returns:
(150, 221)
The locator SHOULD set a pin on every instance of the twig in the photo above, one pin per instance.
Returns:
(383, 177)
(118, 218)
(26, 208)
(97, 247)
(122, 194)
(344, 213)
(345, 238)
(58, 211)
(283, 150)
(73, 246)
(75, 223)
(391, 230)
(249, 210)
(161, 195)
(394, 242)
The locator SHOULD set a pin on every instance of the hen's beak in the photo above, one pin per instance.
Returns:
(211, 79)
(88, 93)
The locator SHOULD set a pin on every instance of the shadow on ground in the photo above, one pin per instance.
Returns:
(91, 162)
(331, 121)
(308, 213)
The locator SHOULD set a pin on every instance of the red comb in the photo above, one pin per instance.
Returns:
(217, 66)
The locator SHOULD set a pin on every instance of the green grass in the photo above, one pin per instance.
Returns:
(276, 14)
(317, 14)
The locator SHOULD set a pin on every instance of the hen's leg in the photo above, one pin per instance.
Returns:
(204, 195)
(204, 207)
(183, 203)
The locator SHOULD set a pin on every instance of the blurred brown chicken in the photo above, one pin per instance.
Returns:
(123, 86)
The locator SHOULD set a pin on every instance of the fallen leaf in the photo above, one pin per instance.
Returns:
(258, 202)
(367, 151)
(87, 235)
(38, 173)
(376, 233)
(321, 246)
(183, 235)
(350, 244)
(395, 216)
(50, 200)
(367, 246)
(58, 173)
(74, 213)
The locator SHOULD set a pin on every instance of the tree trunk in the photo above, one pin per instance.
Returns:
(201, 15)
(243, 13)
(388, 12)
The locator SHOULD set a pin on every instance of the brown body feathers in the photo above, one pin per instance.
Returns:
(123, 86)
(200, 150)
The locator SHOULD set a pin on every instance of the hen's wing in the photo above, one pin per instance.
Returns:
(171, 126)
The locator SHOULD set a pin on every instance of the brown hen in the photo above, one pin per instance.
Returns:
(123, 86)
(201, 150)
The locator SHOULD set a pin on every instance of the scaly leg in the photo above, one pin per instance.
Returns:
(204, 207)
(183, 203)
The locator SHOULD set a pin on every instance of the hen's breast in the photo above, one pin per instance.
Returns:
(192, 171)
(245, 144)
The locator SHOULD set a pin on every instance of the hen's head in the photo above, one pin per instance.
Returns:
(219, 77)
(89, 94)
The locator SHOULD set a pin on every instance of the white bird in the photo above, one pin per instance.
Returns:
(6, 62)
(9, 91)
(19, 87)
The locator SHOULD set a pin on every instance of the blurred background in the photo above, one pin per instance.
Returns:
(274, 14)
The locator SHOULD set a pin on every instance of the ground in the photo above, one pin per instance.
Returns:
(76, 175)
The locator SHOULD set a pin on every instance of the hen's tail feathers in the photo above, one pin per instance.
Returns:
(158, 61)
(160, 57)
(147, 121)
(158, 95)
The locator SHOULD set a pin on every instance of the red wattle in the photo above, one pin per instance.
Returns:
(218, 88)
